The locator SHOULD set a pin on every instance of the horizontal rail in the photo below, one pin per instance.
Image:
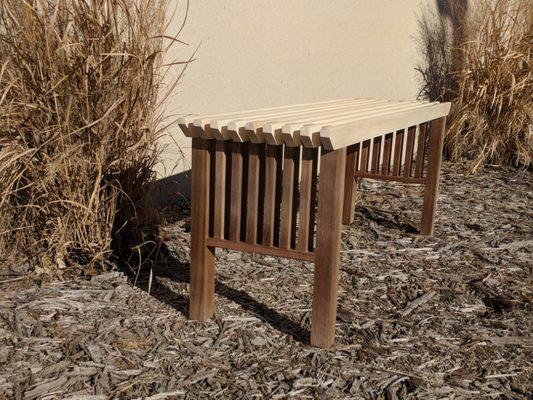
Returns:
(260, 249)
(381, 177)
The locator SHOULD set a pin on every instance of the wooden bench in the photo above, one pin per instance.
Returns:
(281, 181)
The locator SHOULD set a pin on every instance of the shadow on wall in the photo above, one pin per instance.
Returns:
(456, 11)
(173, 189)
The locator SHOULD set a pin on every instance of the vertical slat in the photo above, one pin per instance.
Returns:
(327, 253)
(252, 201)
(374, 167)
(387, 150)
(398, 145)
(420, 152)
(220, 189)
(306, 186)
(295, 196)
(227, 200)
(202, 259)
(261, 192)
(236, 191)
(244, 198)
(271, 189)
(287, 196)
(365, 156)
(279, 185)
(348, 208)
(312, 217)
(408, 163)
(436, 142)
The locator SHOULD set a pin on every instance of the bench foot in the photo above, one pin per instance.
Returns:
(436, 142)
(327, 253)
(202, 266)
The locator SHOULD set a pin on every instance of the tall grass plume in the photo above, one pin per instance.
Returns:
(491, 89)
(80, 117)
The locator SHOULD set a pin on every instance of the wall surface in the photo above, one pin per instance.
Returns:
(260, 53)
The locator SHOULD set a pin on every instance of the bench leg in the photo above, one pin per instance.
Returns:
(348, 207)
(327, 253)
(436, 142)
(202, 287)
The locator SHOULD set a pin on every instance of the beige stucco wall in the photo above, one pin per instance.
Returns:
(255, 53)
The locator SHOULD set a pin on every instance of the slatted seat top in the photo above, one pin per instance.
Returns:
(334, 124)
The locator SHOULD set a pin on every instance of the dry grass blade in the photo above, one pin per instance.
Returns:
(492, 113)
(80, 116)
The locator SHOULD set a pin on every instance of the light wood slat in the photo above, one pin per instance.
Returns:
(374, 166)
(306, 186)
(271, 204)
(397, 159)
(211, 127)
(310, 128)
(254, 122)
(220, 190)
(387, 151)
(236, 191)
(290, 173)
(365, 149)
(420, 152)
(294, 132)
(339, 136)
(409, 148)
(271, 130)
(237, 114)
(252, 200)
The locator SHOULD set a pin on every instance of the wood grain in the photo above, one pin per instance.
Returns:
(387, 151)
(436, 142)
(421, 149)
(202, 262)
(348, 208)
(252, 201)
(270, 205)
(376, 149)
(306, 187)
(327, 253)
(398, 147)
(289, 191)
(220, 190)
(365, 155)
(236, 191)
(409, 149)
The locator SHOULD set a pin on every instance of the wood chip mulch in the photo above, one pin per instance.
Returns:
(419, 318)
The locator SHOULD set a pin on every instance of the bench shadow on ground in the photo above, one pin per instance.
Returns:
(177, 271)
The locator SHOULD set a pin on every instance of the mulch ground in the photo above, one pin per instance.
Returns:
(442, 317)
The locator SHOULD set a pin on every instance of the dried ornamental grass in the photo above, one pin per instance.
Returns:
(79, 120)
(492, 121)
(491, 87)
